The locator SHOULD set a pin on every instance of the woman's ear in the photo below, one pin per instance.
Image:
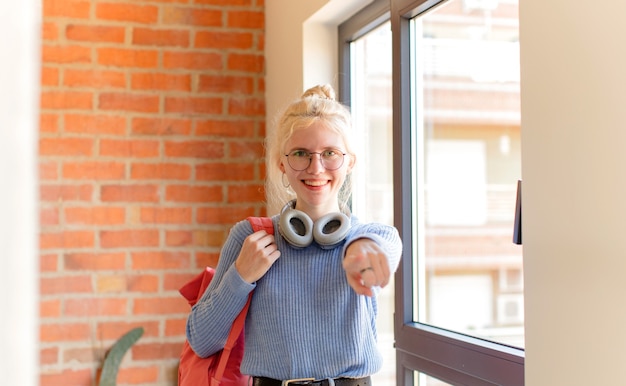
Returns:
(351, 163)
(281, 166)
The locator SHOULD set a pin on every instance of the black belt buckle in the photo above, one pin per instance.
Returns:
(298, 381)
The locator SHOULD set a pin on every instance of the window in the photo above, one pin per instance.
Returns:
(452, 139)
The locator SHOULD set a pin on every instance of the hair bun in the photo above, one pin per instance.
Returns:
(323, 91)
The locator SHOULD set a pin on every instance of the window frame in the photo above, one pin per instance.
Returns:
(446, 355)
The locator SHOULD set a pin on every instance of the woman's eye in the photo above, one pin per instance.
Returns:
(330, 153)
(299, 153)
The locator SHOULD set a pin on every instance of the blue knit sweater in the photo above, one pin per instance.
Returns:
(304, 318)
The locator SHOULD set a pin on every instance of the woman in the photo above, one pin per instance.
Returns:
(313, 311)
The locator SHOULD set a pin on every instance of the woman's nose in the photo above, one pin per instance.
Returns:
(315, 166)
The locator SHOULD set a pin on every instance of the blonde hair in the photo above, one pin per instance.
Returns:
(317, 104)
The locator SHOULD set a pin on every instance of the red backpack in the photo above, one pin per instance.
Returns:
(221, 368)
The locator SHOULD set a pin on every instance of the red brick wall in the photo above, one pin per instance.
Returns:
(152, 123)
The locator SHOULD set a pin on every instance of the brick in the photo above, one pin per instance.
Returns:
(65, 332)
(194, 149)
(154, 351)
(48, 171)
(193, 105)
(129, 148)
(66, 146)
(212, 238)
(160, 260)
(67, 377)
(207, 259)
(241, 128)
(48, 216)
(66, 240)
(95, 307)
(94, 78)
(160, 126)
(192, 16)
(48, 123)
(129, 238)
(50, 308)
(54, 193)
(129, 193)
(75, 284)
(143, 283)
(221, 171)
(160, 171)
(248, 150)
(160, 306)
(160, 81)
(100, 171)
(143, 375)
(160, 37)
(122, 57)
(65, 54)
(246, 19)
(226, 84)
(66, 100)
(49, 76)
(94, 215)
(223, 215)
(95, 124)
(48, 262)
(49, 356)
(95, 33)
(246, 107)
(223, 40)
(179, 239)
(111, 284)
(246, 62)
(127, 12)
(199, 194)
(75, 9)
(94, 261)
(193, 61)
(172, 281)
(162, 215)
(246, 194)
(175, 327)
(49, 31)
(84, 355)
(225, 2)
(129, 102)
(111, 331)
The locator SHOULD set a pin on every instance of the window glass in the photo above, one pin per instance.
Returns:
(466, 152)
(426, 380)
(372, 197)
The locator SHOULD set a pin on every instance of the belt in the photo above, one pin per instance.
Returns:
(262, 381)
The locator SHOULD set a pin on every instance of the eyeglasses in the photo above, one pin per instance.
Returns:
(331, 159)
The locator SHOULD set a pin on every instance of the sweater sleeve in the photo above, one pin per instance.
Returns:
(210, 319)
(387, 237)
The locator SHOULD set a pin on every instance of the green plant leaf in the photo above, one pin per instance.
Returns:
(114, 357)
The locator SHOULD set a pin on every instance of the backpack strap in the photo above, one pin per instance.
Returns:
(258, 223)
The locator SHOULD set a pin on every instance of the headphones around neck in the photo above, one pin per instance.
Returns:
(299, 230)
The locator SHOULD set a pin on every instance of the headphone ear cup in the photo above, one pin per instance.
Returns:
(295, 226)
(331, 229)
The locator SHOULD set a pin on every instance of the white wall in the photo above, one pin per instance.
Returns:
(20, 28)
(574, 191)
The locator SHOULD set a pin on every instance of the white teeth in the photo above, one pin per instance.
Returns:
(315, 183)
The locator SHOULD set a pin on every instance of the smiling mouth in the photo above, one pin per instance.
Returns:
(315, 183)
